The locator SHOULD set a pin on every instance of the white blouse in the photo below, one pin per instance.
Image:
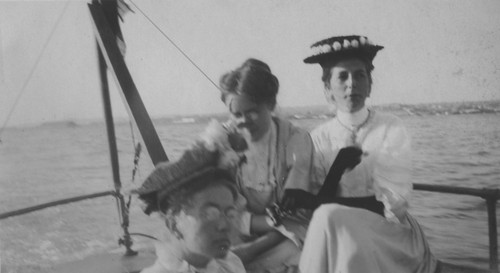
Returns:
(258, 173)
(168, 261)
(385, 168)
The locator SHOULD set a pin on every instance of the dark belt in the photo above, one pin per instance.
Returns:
(347, 157)
(369, 203)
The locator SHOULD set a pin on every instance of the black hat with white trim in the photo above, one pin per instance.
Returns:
(342, 47)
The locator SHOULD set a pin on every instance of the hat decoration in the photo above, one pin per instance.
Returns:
(224, 138)
(220, 146)
(342, 46)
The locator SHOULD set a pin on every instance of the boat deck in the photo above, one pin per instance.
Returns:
(118, 263)
(451, 268)
(108, 263)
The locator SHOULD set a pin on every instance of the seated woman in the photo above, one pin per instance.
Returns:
(357, 236)
(197, 201)
(278, 159)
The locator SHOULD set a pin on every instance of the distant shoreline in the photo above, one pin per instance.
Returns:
(312, 112)
(324, 111)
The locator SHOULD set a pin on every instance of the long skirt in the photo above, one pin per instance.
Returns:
(284, 257)
(343, 239)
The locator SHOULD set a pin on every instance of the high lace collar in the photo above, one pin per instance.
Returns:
(353, 120)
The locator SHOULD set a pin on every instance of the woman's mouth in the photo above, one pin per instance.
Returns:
(225, 242)
(354, 97)
(222, 246)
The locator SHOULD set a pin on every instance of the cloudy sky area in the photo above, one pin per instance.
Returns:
(435, 51)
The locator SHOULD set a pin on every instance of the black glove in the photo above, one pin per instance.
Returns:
(295, 198)
(237, 141)
(276, 214)
(235, 138)
(347, 158)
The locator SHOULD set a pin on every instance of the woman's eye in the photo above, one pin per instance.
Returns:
(232, 214)
(211, 213)
(361, 75)
(236, 115)
(252, 114)
(342, 76)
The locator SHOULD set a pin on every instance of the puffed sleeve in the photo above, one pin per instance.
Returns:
(319, 165)
(299, 160)
(230, 264)
(392, 171)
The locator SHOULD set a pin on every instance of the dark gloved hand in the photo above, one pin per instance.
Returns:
(276, 214)
(294, 199)
(348, 158)
(235, 138)
(237, 141)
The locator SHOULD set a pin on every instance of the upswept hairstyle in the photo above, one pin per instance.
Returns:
(254, 79)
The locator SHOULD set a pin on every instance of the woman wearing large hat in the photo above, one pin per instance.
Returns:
(196, 198)
(380, 236)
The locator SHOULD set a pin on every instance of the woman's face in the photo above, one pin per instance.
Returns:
(250, 116)
(207, 224)
(349, 85)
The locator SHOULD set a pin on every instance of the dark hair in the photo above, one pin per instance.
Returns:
(327, 69)
(181, 198)
(254, 79)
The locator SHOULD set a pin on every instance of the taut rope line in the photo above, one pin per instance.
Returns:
(176, 46)
(23, 89)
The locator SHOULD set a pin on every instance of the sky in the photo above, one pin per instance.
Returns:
(435, 51)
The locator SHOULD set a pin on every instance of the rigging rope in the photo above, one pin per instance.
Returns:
(176, 46)
(137, 156)
(137, 151)
(30, 75)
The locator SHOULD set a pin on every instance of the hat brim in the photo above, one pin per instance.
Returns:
(152, 198)
(173, 173)
(157, 175)
(364, 53)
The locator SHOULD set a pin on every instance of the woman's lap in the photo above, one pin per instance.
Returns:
(282, 258)
(344, 239)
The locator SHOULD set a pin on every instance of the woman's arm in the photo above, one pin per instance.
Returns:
(259, 224)
(249, 251)
(392, 171)
(299, 160)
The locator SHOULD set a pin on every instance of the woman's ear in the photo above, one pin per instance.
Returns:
(176, 232)
(270, 106)
(329, 95)
(169, 221)
(171, 224)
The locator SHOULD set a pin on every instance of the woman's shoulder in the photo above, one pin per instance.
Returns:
(386, 118)
(288, 128)
(323, 129)
(230, 264)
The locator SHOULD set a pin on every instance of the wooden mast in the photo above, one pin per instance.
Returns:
(116, 64)
(107, 31)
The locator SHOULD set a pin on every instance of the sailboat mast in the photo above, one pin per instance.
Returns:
(107, 41)
(107, 32)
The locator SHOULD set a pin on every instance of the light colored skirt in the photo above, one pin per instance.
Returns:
(285, 257)
(342, 239)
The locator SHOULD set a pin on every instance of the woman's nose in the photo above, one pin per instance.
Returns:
(241, 121)
(224, 224)
(351, 82)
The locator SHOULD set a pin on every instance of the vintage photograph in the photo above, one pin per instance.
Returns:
(297, 136)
